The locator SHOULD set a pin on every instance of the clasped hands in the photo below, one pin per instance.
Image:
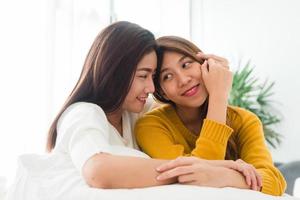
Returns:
(211, 173)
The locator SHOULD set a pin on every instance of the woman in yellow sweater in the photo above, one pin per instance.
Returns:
(197, 125)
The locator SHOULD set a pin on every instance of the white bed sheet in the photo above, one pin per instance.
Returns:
(29, 185)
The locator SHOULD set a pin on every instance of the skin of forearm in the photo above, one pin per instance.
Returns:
(235, 179)
(217, 108)
(111, 172)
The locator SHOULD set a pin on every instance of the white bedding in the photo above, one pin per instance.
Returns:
(29, 185)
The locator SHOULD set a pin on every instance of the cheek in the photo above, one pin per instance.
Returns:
(197, 69)
(169, 90)
(133, 89)
(198, 73)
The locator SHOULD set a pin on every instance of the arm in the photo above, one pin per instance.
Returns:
(195, 171)
(159, 137)
(253, 150)
(84, 133)
(213, 173)
(111, 171)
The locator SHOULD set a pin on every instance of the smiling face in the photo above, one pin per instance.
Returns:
(181, 80)
(142, 84)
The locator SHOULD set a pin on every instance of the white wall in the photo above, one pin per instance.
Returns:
(22, 102)
(268, 33)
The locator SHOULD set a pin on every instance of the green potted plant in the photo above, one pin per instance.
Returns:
(250, 93)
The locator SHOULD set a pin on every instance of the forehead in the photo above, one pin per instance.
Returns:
(149, 60)
(171, 58)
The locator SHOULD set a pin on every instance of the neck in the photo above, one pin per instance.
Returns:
(189, 115)
(192, 118)
(115, 119)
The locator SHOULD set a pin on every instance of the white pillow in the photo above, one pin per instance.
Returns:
(37, 180)
(296, 191)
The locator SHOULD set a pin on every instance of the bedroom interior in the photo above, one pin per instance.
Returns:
(44, 43)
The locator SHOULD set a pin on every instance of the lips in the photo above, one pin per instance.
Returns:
(192, 91)
(142, 98)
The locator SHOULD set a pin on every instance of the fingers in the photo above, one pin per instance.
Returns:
(180, 161)
(258, 176)
(219, 59)
(204, 68)
(207, 56)
(186, 179)
(244, 169)
(253, 179)
(175, 172)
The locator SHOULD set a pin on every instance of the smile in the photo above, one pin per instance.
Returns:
(192, 91)
(142, 99)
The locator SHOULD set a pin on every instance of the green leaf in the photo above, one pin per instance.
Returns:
(252, 94)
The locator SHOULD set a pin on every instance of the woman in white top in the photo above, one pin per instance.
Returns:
(94, 127)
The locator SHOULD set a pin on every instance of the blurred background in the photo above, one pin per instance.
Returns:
(43, 44)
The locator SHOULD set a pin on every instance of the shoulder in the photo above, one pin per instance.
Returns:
(160, 118)
(82, 112)
(242, 119)
(161, 113)
(84, 107)
(238, 113)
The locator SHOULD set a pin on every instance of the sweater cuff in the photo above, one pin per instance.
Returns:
(268, 186)
(215, 131)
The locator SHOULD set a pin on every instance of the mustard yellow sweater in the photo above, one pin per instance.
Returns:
(161, 134)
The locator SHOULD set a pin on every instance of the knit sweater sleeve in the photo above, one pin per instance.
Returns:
(253, 150)
(212, 141)
(158, 136)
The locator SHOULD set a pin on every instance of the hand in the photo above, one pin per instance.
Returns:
(194, 171)
(253, 178)
(216, 75)
(223, 61)
(199, 167)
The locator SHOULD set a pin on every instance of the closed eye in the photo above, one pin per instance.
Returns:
(142, 76)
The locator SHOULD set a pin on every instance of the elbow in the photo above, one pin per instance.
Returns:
(96, 171)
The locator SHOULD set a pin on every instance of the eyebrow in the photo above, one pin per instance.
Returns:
(163, 70)
(145, 69)
(182, 58)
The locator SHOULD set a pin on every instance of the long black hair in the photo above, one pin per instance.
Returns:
(108, 70)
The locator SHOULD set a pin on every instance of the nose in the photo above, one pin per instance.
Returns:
(183, 79)
(150, 86)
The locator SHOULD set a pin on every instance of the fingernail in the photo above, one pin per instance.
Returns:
(158, 177)
(158, 169)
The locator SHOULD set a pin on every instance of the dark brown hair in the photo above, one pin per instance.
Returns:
(187, 48)
(108, 70)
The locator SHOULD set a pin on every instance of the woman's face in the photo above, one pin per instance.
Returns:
(142, 84)
(181, 80)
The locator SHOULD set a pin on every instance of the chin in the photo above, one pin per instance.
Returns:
(136, 109)
(196, 104)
